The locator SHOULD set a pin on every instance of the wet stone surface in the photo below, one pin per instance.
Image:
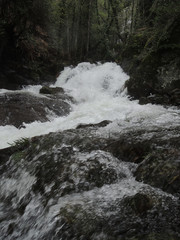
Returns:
(19, 108)
(78, 184)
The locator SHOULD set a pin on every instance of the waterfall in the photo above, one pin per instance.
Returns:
(74, 184)
(99, 93)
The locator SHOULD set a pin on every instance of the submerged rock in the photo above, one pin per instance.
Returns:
(19, 108)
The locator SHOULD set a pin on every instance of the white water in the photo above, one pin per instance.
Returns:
(100, 95)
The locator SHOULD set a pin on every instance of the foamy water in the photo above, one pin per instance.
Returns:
(99, 92)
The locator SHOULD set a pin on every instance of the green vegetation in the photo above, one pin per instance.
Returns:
(44, 36)
(78, 29)
(68, 29)
(20, 143)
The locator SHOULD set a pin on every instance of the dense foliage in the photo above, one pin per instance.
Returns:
(77, 29)
(36, 32)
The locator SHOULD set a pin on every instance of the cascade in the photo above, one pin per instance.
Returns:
(99, 94)
(79, 179)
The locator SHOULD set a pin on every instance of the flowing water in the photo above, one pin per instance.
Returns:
(99, 92)
(59, 191)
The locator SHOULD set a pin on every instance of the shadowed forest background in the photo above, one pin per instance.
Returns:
(38, 38)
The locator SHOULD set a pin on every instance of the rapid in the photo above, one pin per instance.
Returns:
(116, 182)
(99, 94)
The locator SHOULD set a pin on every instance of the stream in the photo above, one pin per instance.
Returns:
(80, 182)
(99, 93)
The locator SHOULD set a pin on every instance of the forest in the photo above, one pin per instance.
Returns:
(71, 30)
(77, 30)
(41, 37)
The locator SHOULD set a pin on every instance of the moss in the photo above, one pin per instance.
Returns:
(18, 156)
(153, 45)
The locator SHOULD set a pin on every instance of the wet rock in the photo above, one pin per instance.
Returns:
(69, 185)
(175, 96)
(153, 77)
(56, 93)
(155, 99)
(161, 169)
(140, 203)
(19, 108)
(128, 150)
(50, 90)
(68, 171)
(155, 236)
(101, 124)
(162, 97)
(169, 72)
(4, 157)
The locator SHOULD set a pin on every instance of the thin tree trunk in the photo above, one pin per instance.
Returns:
(132, 18)
(115, 16)
(89, 26)
(67, 37)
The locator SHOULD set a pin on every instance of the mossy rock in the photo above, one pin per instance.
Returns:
(18, 156)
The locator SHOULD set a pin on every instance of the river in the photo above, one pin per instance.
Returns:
(117, 182)
(99, 93)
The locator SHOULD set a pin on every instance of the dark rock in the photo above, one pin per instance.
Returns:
(161, 169)
(80, 171)
(128, 151)
(4, 157)
(101, 124)
(165, 235)
(155, 99)
(16, 74)
(19, 108)
(50, 90)
(13, 81)
(169, 73)
(175, 96)
(163, 97)
(140, 203)
(69, 185)
(154, 75)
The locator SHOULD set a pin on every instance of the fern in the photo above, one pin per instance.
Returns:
(20, 143)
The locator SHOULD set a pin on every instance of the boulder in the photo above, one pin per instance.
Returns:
(101, 124)
(161, 169)
(50, 90)
(140, 203)
(69, 185)
(18, 108)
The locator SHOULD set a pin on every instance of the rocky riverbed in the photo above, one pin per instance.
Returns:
(109, 170)
(79, 184)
